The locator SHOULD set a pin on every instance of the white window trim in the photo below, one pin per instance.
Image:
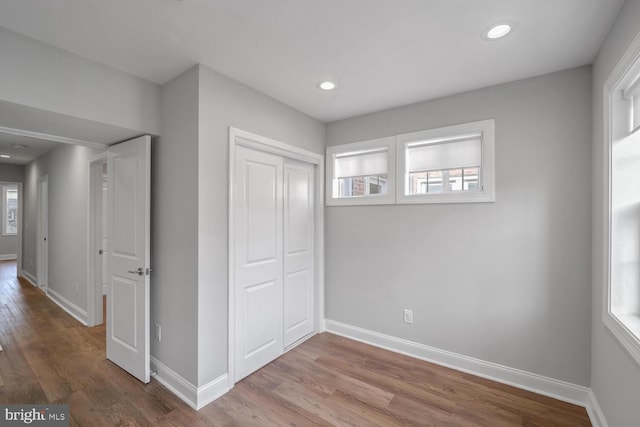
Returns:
(5, 189)
(628, 339)
(486, 194)
(382, 199)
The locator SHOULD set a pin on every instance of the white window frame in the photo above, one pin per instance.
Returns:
(487, 193)
(374, 199)
(613, 100)
(5, 190)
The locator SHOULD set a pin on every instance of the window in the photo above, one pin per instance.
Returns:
(361, 173)
(9, 210)
(621, 311)
(453, 164)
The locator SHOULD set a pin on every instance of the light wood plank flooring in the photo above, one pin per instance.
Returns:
(328, 380)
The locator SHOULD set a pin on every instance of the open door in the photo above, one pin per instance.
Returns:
(128, 234)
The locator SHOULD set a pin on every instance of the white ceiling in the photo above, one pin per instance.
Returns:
(381, 53)
(21, 156)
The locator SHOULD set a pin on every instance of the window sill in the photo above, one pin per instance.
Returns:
(626, 329)
(453, 197)
(360, 201)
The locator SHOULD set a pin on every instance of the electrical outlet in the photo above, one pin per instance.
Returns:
(76, 287)
(158, 333)
(408, 316)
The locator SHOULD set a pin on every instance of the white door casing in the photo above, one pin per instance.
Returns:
(299, 228)
(128, 267)
(258, 255)
(42, 250)
(103, 235)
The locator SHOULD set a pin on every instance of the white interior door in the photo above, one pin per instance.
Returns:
(128, 234)
(298, 250)
(42, 250)
(258, 220)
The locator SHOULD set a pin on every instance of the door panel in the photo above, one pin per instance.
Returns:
(258, 289)
(261, 324)
(124, 297)
(125, 199)
(298, 250)
(128, 234)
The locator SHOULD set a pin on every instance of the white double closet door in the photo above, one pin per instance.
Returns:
(274, 256)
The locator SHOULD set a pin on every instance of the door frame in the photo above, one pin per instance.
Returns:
(94, 298)
(238, 137)
(39, 231)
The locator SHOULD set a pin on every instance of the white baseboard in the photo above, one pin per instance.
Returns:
(595, 412)
(76, 312)
(8, 257)
(196, 397)
(212, 390)
(29, 277)
(546, 386)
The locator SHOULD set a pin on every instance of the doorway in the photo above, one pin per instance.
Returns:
(42, 248)
(96, 254)
(276, 248)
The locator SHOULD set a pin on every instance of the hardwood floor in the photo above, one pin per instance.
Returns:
(328, 380)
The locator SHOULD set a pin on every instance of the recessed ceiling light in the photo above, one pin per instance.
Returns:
(5, 156)
(327, 85)
(497, 31)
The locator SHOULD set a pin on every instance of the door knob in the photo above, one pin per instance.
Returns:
(139, 271)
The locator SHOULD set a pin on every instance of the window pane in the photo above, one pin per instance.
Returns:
(11, 211)
(434, 182)
(418, 183)
(359, 186)
(455, 180)
(444, 181)
(471, 181)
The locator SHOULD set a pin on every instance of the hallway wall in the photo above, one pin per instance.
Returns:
(67, 168)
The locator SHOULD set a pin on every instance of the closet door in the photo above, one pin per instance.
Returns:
(258, 189)
(298, 250)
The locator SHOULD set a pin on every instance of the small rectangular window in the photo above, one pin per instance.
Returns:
(9, 210)
(361, 172)
(447, 165)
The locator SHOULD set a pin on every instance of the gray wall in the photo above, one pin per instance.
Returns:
(225, 102)
(615, 376)
(39, 75)
(190, 209)
(506, 282)
(9, 173)
(174, 283)
(67, 167)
